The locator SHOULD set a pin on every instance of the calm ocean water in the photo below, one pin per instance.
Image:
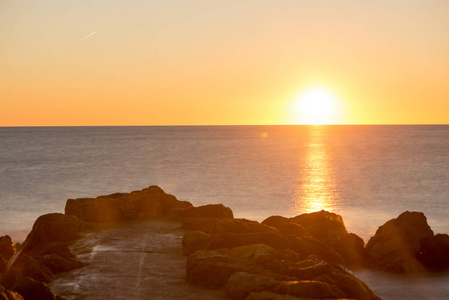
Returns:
(367, 174)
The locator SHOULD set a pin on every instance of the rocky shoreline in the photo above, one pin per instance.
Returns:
(308, 256)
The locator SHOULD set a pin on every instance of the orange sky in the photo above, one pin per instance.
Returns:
(65, 63)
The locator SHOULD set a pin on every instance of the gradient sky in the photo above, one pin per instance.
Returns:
(206, 62)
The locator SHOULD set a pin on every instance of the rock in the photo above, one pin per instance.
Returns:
(3, 264)
(29, 288)
(239, 226)
(53, 227)
(7, 247)
(351, 247)
(198, 240)
(9, 295)
(30, 267)
(148, 203)
(353, 287)
(102, 209)
(241, 284)
(261, 254)
(230, 240)
(306, 246)
(276, 221)
(293, 229)
(195, 240)
(59, 248)
(322, 224)
(200, 224)
(286, 226)
(213, 270)
(57, 264)
(309, 289)
(308, 269)
(225, 225)
(271, 296)
(205, 211)
(396, 243)
(434, 252)
(10, 277)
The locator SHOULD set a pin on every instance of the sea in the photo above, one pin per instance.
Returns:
(368, 174)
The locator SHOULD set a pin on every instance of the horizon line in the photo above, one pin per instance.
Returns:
(229, 125)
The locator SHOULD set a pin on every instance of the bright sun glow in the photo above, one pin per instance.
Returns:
(316, 106)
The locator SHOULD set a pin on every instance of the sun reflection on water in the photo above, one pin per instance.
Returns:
(316, 189)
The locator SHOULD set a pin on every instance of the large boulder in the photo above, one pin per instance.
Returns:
(241, 284)
(7, 247)
(306, 246)
(30, 267)
(58, 248)
(9, 295)
(104, 209)
(53, 227)
(10, 277)
(230, 240)
(351, 247)
(148, 203)
(434, 252)
(205, 211)
(212, 268)
(239, 226)
(322, 225)
(396, 244)
(195, 240)
(57, 264)
(198, 240)
(228, 225)
(353, 287)
(31, 289)
(257, 268)
(276, 221)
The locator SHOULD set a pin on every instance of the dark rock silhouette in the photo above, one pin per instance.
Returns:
(7, 247)
(57, 264)
(32, 268)
(434, 252)
(10, 277)
(3, 264)
(396, 243)
(32, 289)
(9, 295)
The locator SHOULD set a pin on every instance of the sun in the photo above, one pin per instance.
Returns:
(316, 106)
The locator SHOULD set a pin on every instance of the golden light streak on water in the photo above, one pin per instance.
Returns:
(316, 188)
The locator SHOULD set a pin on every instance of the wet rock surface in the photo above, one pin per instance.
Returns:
(133, 260)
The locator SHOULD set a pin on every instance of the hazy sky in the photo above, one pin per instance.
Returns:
(221, 62)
